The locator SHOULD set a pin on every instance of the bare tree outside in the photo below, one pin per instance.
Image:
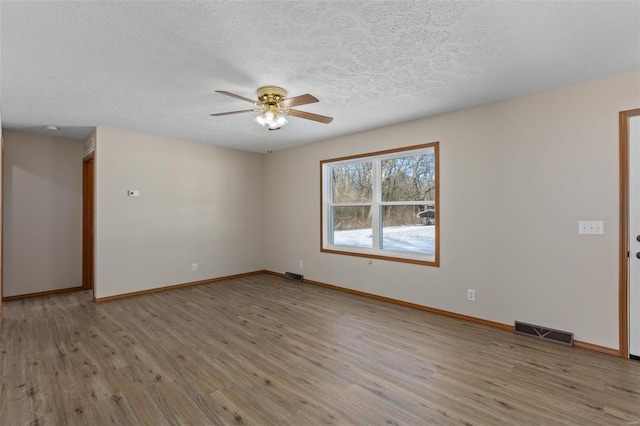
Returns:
(352, 183)
(409, 178)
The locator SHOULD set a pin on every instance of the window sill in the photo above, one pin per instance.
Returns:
(390, 255)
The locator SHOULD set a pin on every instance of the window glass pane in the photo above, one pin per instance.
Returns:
(383, 205)
(404, 229)
(351, 225)
(409, 178)
(352, 183)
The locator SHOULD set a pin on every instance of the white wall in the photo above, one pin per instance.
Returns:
(515, 177)
(42, 213)
(1, 213)
(634, 230)
(198, 204)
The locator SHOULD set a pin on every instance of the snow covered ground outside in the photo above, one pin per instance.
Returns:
(418, 238)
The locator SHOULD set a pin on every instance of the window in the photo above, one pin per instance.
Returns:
(383, 205)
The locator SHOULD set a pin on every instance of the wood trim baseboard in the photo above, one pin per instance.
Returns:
(416, 306)
(41, 293)
(596, 348)
(174, 286)
(506, 327)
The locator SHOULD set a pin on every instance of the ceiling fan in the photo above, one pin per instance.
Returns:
(273, 106)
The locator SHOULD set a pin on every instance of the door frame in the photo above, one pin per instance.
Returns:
(623, 287)
(88, 222)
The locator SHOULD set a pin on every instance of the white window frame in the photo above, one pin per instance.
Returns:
(326, 202)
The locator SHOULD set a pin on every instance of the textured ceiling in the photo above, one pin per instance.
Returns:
(152, 67)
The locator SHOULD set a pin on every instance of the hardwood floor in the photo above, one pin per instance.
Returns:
(261, 350)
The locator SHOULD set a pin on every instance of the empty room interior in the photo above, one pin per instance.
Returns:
(298, 213)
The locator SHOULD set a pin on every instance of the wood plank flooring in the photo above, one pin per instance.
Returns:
(260, 350)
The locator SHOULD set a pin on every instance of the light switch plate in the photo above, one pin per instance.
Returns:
(591, 227)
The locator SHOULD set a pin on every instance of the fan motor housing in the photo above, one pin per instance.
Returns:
(271, 94)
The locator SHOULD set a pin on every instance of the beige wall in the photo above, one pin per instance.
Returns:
(198, 204)
(42, 213)
(515, 178)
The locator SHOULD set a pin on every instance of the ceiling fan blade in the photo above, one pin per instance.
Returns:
(233, 95)
(233, 112)
(310, 116)
(298, 100)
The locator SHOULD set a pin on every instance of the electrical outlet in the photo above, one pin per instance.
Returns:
(471, 294)
(300, 264)
(194, 266)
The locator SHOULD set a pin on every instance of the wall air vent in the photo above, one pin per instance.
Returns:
(293, 277)
(548, 334)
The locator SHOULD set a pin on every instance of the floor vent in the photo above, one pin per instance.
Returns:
(634, 357)
(293, 277)
(548, 334)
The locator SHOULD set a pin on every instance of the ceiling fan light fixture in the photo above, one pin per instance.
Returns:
(281, 120)
(269, 117)
(273, 106)
(273, 119)
(260, 120)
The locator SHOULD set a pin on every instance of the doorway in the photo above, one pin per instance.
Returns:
(88, 208)
(629, 305)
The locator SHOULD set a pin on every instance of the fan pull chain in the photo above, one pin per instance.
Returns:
(269, 150)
